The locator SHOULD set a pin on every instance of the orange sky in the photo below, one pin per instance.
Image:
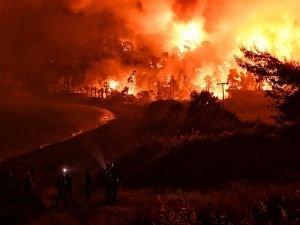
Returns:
(43, 40)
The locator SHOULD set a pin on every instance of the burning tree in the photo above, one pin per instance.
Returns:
(248, 82)
(233, 79)
(282, 76)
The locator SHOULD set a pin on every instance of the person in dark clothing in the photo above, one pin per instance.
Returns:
(9, 193)
(112, 178)
(116, 175)
(61, 191)
(107, 182)
(12, 192)
(88, 185)
(68, 188)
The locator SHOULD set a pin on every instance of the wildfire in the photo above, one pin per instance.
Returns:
(280, 38)
(113, 84)
(206, 40)
(187, 36)
(208, 80)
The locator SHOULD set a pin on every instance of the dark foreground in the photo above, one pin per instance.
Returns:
(246, 176)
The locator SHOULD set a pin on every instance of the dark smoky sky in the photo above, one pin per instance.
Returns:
(42, 40)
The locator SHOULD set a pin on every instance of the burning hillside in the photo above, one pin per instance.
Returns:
(131, 46)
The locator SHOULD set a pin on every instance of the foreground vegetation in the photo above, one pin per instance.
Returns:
(183, 163)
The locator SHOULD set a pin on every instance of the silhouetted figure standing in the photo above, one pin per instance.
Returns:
(9, 193)
(61, 191)
(107, 182)
(112, 178)
(12, 187)
(68, 188)
(10, 199)
(88, 185)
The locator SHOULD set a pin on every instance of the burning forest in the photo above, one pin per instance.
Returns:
(165, 48)
(191, 106)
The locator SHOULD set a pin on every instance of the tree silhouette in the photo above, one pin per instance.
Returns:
(202, 103)
(205, 113)
(282, 75)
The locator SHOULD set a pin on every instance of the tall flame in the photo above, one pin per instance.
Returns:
(113, 84)
(280, 37)
(187, 36)
(205, 36)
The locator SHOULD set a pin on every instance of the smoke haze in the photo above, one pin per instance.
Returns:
(41, 41)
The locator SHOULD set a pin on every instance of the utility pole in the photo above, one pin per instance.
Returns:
(223, 90)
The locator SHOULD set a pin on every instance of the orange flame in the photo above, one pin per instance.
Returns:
(113, 84)
(187, 37)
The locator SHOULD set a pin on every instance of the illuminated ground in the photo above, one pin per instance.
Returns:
(29, 125)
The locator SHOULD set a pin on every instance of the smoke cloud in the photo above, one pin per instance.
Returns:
(90, 40)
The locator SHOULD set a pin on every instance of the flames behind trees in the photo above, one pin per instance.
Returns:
(282, 76)
(91, 42)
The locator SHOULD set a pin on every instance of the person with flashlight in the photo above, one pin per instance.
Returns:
(61, 192)
(63, 185)
(68, 186)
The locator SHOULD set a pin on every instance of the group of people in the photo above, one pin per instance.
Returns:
(18, 197)
(111, 178)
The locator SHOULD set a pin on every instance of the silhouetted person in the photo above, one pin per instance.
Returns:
(107, 182)
(11, 199)
(68, 187)
(61, 191)
(88, 185)
(9, 190)
(112, 178)
(116, 175)
(12, 188)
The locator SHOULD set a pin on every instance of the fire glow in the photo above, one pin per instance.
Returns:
(187, 37)
(279, 38)
(193, 42)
